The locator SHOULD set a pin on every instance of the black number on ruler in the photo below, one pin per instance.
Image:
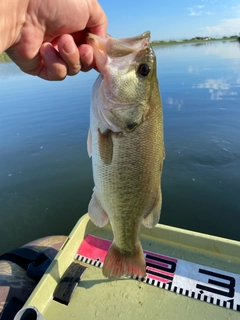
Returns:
(230, 286)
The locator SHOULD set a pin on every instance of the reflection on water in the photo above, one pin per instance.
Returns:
(45, 173)
(219, 88)
(201, 178)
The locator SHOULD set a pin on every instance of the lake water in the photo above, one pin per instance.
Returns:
(45, 173)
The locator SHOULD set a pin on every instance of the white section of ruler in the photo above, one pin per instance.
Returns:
(208, 284)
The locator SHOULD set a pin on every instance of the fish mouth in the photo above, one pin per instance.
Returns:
(125, 46)
(110, 49)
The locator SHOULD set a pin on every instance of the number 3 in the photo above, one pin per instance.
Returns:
(229, 286)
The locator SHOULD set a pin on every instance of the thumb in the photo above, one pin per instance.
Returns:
(22, 58)
(97, 22)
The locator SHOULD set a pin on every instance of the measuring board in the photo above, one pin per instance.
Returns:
(193, 280)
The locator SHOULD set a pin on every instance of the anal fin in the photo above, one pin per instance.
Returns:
(152, 218)
(97, 214)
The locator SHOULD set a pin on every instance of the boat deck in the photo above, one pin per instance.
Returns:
(190, 276)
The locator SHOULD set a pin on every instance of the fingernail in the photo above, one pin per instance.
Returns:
(86, 53)
(69, 47)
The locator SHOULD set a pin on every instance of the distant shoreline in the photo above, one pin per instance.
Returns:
(194, 40)
(5, 58)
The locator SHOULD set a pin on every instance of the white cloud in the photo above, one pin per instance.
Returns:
(236, 9)
(196, 11)
(226, 27)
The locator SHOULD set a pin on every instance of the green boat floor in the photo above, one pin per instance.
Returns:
(99, 298)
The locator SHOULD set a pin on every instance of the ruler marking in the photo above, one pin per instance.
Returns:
(170, 286)
(167, 286)
(189, 279)
(153, 273)
(155, 267)
(155, 283)
(229, 304)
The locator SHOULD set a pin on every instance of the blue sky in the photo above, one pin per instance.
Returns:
(172, 19)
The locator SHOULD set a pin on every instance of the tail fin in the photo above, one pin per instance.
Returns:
(120, 263)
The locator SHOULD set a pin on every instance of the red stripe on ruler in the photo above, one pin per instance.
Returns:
(96, 249)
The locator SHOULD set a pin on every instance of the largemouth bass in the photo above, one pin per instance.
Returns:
(126, 144)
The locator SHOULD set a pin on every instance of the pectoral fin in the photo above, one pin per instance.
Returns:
(97, 214)
(89, 143)
(152, 218)
(105, 145)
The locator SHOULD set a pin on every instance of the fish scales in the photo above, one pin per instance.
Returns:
(127, 152)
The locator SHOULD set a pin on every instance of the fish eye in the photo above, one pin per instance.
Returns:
(144, 69)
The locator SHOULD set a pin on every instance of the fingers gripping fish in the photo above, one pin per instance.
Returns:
(126, 144)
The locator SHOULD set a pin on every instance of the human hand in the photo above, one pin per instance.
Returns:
(52, 40)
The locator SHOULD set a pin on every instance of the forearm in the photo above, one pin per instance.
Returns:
(12, 18)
